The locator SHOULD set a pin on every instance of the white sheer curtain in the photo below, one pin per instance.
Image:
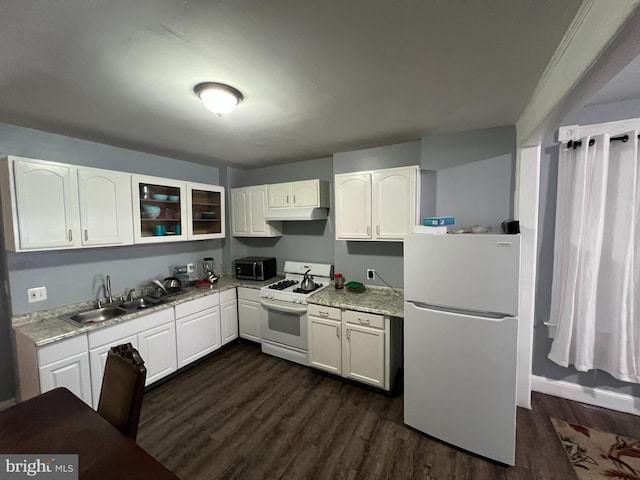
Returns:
(595, 298)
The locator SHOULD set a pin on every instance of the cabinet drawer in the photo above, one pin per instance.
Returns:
(364, 319)
(252, 294)
(197, 305)
(324, 312)
(227, 295)
(62, 349)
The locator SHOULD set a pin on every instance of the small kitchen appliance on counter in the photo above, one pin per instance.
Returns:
(255, 268)
(283, 320)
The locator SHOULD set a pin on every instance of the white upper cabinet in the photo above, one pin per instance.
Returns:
(159, 209)
(205, 211)
(105, 207)
(248, 206)
(377, 205)
(49, 205)
(353, 206)
(395, 203)
(46, 197)
(305, 193)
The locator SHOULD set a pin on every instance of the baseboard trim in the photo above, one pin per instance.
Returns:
(620, 402)
(7, 403)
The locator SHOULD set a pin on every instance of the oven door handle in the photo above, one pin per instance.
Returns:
(283, 307)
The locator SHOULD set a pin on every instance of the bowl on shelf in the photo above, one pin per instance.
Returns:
(160, 196)
(150, 211)
(174, 198)
(208, 215)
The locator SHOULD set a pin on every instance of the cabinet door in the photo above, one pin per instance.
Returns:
(159, 209)
(229, 320)
(205, 211)
(249, 319)
(395, 202)
(105, 207)
(353, 206)
(72, 373)
(98, 360)
(197, 335)
(239, 212)
(47, 205)
(259, 227)
(363, 355)
(325, 346)
(305, 193)
(280, 195)
(157, 348)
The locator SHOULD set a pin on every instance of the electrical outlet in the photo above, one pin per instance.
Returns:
(371, 274)
(37, 294)
(190, 267)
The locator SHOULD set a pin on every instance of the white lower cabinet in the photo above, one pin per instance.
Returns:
(228, 315)
(249, 311)
(325, 344)
(361, 346)
(154, 335)
(363, 355)
(66, 364)
(197, 328)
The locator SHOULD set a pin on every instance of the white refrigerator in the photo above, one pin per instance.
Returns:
(460, 340)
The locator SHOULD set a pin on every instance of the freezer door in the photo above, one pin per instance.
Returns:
(460, 379)
(471, 272)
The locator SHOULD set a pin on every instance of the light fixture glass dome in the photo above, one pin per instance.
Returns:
(218, 97)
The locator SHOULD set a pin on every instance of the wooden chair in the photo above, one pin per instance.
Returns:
(122, 389)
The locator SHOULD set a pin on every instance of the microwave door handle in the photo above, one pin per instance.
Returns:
(254, 269)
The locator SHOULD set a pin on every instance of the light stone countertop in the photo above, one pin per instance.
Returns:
(381, 300)
(45, 326)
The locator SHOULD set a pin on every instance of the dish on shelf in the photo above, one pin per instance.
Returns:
(174, 198)
(208, 215)
(150, 211)
(160, 196)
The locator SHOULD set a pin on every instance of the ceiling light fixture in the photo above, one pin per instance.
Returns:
(218, 97)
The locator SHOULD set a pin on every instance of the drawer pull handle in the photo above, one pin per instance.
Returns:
(364, 321)
(323, 314)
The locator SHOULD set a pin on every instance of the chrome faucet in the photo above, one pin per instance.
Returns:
(130, 294)
(107, 289)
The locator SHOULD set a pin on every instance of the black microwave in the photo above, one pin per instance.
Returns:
(255, 268)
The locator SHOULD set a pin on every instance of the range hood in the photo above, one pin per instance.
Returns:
(296, 213)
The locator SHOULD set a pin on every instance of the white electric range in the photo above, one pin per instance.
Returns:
(283, 320)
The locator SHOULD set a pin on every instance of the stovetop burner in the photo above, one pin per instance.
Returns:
(283, 284)
(299, 290)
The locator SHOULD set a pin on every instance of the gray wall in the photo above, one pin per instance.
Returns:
(310, 241)
(76, 275)
(546, 224)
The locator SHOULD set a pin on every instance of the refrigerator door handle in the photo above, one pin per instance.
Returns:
(495, 316)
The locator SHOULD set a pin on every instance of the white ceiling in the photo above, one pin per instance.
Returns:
(318, 77)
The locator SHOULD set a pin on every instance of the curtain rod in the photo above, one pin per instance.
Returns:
(577, 143)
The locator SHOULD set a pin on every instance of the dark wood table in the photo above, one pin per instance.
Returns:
(59, 422)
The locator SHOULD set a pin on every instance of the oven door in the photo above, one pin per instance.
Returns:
(283, 326)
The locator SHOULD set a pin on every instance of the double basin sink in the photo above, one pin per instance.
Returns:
(116, 309)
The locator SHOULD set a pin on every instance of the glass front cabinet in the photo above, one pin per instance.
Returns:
(172, 211)
(205, 211)
(159, 209)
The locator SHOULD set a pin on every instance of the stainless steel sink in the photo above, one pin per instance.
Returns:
(114, 310)
(94, 316)
(139, 304)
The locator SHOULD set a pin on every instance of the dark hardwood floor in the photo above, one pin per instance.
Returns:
(242, 414)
